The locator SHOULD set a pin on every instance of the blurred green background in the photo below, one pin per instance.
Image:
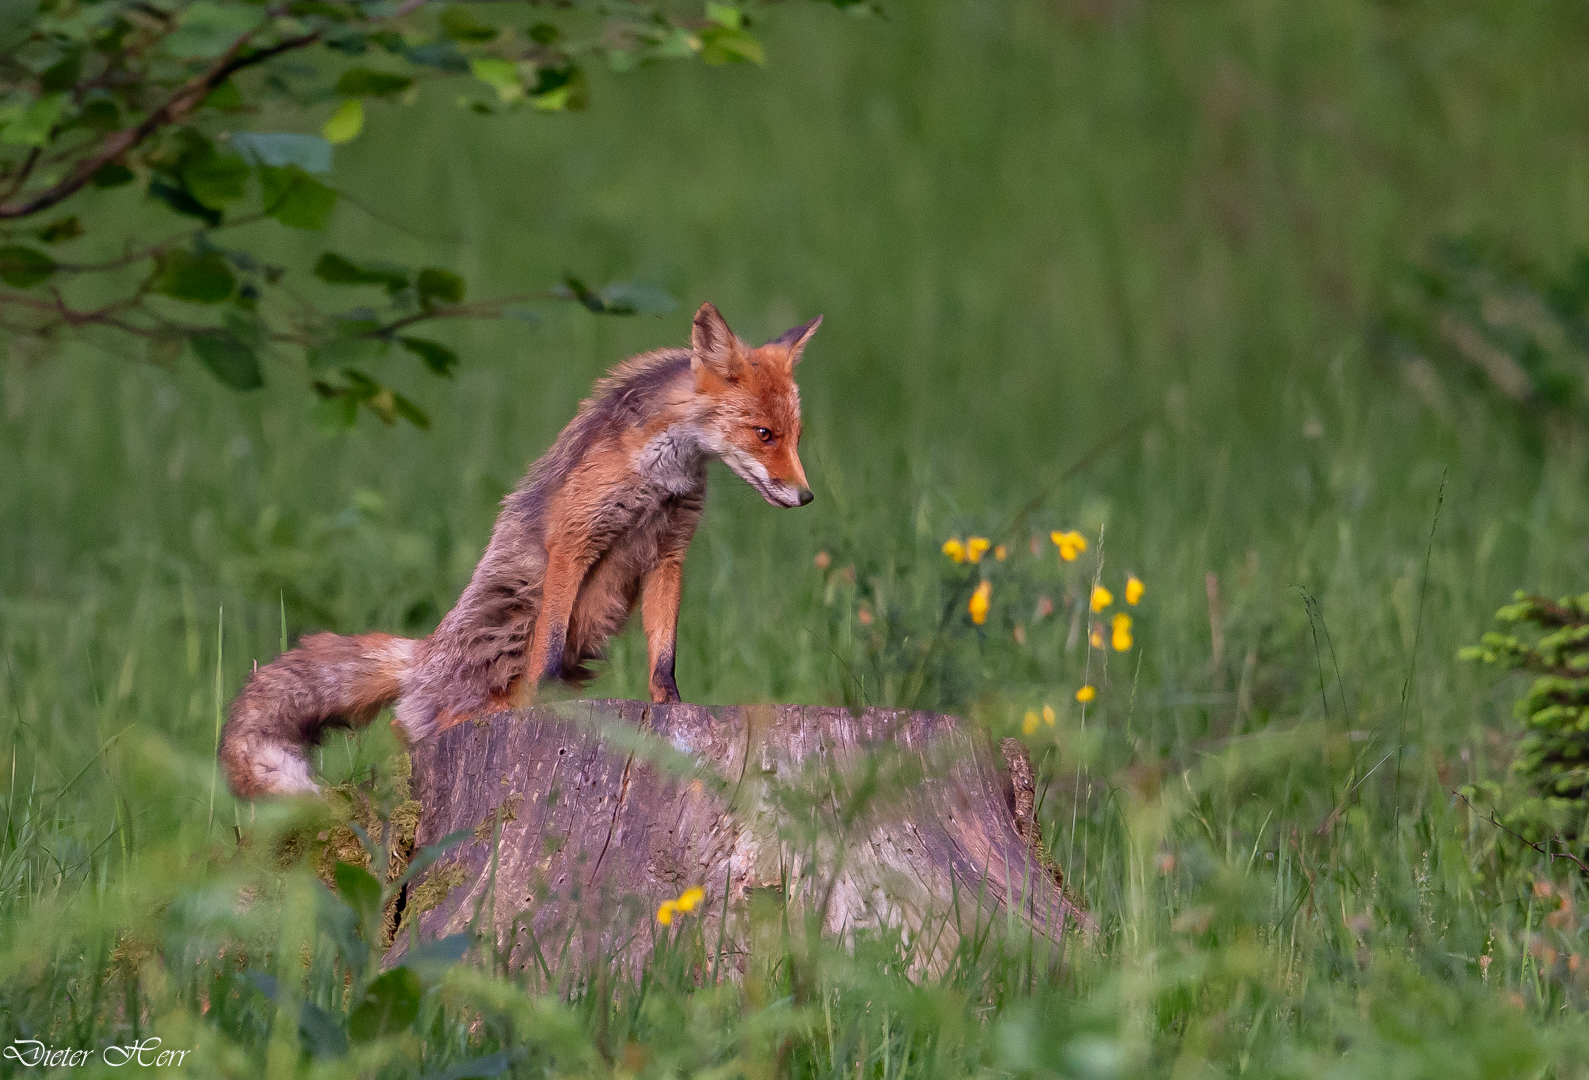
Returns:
(1030, 227)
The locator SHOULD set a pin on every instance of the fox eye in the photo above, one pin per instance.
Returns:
(763, 434)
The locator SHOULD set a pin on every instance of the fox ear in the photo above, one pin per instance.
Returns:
(713, 345)
(795, 340)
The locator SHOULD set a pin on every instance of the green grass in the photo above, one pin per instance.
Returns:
(1028, 226)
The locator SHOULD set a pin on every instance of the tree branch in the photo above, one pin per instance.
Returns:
(1545, 851)
(184, 101)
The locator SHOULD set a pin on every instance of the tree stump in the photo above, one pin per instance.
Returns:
(584, 816)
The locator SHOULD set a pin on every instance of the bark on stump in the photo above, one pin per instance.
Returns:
(607, 808)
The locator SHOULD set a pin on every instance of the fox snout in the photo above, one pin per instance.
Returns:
(790, 492)
(789, 495)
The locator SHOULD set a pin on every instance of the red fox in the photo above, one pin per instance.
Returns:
(600, 521)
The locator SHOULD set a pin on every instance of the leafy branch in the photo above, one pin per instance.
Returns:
(101, 95)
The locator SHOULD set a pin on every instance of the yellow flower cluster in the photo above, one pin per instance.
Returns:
(1086, 693)
(688, 901)
(1029, 722)
(1120, 626)
(1070, 544)
(972, 550)
(980, 602)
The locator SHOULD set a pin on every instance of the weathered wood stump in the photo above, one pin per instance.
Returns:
(586, 815)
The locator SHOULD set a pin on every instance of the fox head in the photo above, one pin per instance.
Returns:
(752, 415)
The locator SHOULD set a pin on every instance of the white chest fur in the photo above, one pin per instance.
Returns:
(673, 459)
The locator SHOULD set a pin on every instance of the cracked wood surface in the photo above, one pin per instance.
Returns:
(597, 811)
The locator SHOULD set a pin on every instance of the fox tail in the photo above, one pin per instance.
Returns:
(328, 681)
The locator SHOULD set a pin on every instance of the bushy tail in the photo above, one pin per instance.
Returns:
(327, 681)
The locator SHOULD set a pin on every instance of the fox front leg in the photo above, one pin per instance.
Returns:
(659, 613)
(565, 571)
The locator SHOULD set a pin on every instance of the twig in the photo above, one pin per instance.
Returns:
(155, 249)
(1096, 451)
(177, 106)
(23, 173)
(1545, 851)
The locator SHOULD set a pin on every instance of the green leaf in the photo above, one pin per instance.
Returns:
(459, 24)
(226, 98)
(435, 284)
(112, 174)
(389, 1005)
(431, 960)
(101, 114)
(321, 1034)
(501, 75)
(578, 290)
(358, 889)
(367, 82)
(345, 124)
(228, 358)
(553, 100)
(64, 73)
(295, 198)
(334, 412)
(24, 267)
(442, 55)
(333, 269)
(216, 179)
(636, 298)
(197, 279)
(61, 230)
(720, 45)
(726, 15)
(410, 412)
(311, 153)
(436, 356)
(179, 200)
(678, 44)
(206, 30)
(37, 122)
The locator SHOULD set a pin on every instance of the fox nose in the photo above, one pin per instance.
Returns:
(806, 496)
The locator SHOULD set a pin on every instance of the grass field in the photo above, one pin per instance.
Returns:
(1153, 239)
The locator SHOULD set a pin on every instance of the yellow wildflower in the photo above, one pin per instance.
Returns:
(976, 547)
(1048, 715)
(1101, 597)
(979, 603)
(1029, 724)
(1122, 632)
(666, 911)
(1133, 590)
(1086, 693)
(1070, 544)
(955, 549)
(1095, 637)
(691, 898)
(1001, 553)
